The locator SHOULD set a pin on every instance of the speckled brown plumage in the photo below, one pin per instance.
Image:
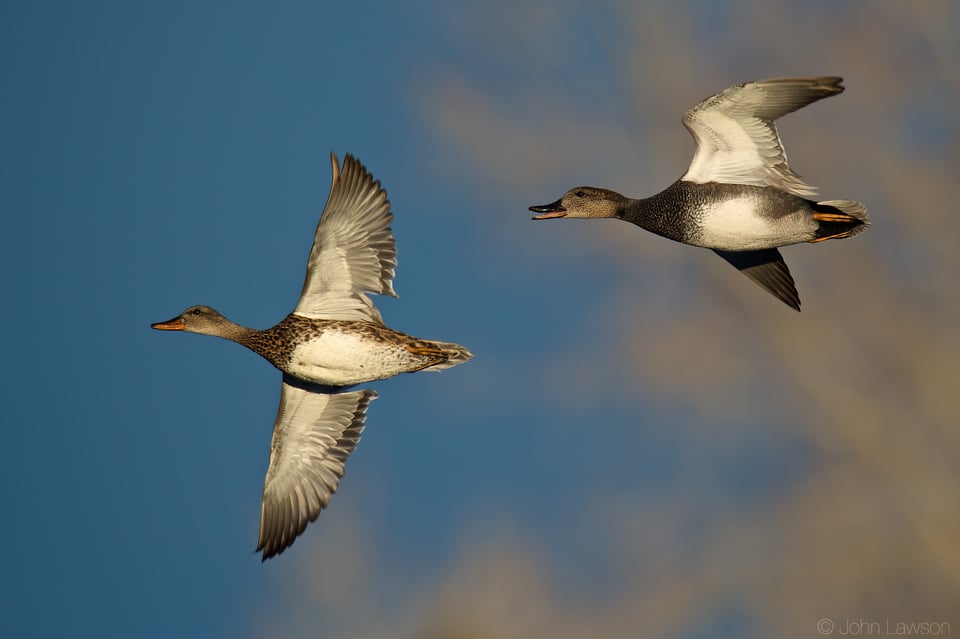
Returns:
(276, 344)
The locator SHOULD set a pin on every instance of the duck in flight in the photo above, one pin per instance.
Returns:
(739, 197)
(334, 338)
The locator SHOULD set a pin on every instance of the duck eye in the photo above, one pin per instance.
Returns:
(579, 193)
(197, 311)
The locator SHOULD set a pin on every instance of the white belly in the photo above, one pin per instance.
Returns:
(736, 225)
(344, 359)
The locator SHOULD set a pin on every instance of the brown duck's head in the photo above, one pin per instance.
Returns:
(197, 319)
(583, 202)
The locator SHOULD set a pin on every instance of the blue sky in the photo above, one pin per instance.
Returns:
(160, 155)
(141, 458)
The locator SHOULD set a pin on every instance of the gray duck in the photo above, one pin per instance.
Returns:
(739, 197)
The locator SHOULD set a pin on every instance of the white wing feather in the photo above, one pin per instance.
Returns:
(737, 140)
(353, 252)
(314, 434)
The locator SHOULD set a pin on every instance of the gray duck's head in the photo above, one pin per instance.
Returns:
(583, 202)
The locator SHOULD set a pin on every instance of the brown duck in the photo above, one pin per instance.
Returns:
(333, 339)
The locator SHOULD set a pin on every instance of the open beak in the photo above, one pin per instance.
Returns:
(176, 324)
(547, 211)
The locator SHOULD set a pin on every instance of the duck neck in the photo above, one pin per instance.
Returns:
(660, 213)
(234, 332)
(273, 344)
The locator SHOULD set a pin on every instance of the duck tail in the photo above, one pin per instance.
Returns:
(443, 354)
(838, 219)
(455, 353)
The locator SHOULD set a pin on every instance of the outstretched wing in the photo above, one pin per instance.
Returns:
(353, 249)
(737, 141)
(767, 268)
(314, 434)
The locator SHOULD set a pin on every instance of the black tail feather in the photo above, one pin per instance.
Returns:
(838, 219)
